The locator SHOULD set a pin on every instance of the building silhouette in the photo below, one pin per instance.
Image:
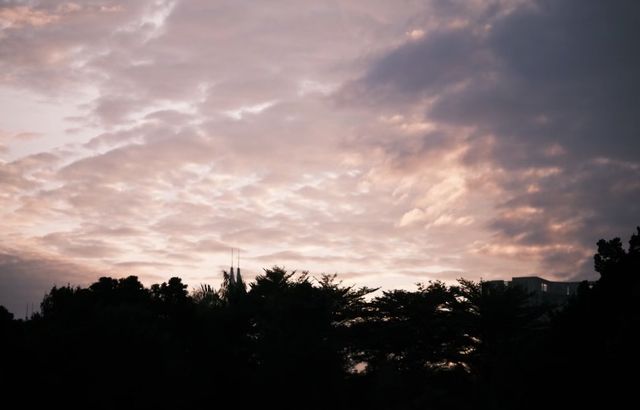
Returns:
(540, 291)
(234, 277)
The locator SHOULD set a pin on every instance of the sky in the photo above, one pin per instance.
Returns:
(391, 142)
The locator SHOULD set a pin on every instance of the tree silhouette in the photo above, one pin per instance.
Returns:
(293, 341)
(593, 339)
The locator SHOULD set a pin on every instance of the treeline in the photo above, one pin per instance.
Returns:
(292, 341)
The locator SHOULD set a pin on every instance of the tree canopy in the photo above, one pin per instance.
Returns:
(294, 341)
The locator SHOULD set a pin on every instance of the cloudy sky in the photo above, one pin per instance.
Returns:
(392, 142)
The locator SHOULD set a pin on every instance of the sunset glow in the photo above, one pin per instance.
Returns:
(389, 143)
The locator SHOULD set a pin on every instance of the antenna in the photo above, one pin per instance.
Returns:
(239, 280)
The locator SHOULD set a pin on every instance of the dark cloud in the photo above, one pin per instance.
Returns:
(420, 68)
(549, 91)
(552, 73)
(565, 73)
(25, 277)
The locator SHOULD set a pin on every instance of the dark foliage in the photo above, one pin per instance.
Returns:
(291, 341)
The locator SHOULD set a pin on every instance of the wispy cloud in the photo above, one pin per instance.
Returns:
(464, 138)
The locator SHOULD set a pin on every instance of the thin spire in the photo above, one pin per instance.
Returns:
(232, 278)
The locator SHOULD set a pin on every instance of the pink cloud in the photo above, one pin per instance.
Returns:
(338, 138)
(19, 16)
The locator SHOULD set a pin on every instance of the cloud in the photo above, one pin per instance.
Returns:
(79, 247)
(546, 86)
(40, 42)
(491, 138)
(572, 86)
(19, 16)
